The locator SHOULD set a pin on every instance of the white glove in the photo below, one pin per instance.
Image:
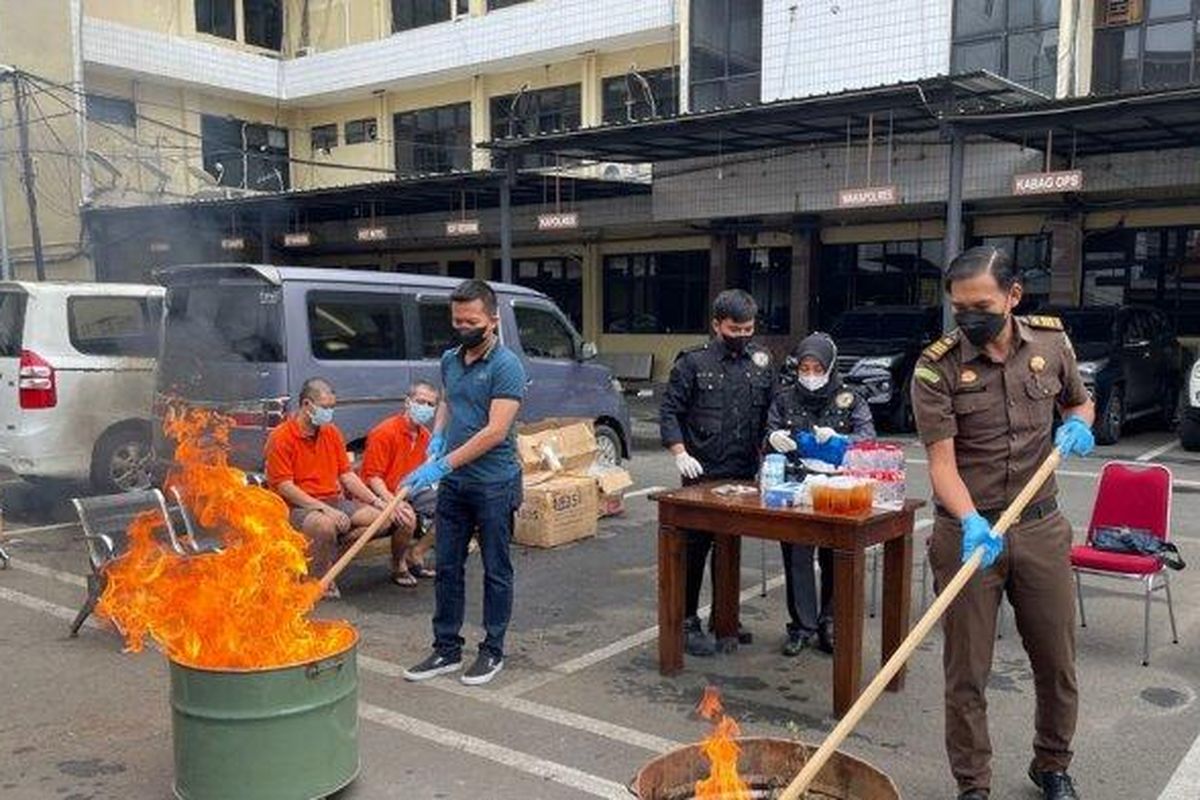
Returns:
(823, 435)
(782, 441)
(688, 467)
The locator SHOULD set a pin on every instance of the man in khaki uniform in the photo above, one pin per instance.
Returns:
(984, 398)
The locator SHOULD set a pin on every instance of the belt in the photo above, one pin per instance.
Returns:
(1032, 513)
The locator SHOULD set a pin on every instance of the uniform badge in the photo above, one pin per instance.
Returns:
(844, 400)
(1037, 363)
(761, 359)
(926, 374)
(968, 376)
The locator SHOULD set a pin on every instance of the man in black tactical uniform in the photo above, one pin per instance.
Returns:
(713, 419)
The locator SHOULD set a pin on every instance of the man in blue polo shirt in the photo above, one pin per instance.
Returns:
(473, 458)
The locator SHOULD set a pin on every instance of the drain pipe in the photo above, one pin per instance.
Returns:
(80, 102)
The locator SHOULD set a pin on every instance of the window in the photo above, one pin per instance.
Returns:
(324, 137)
(409, 14)
(766, 273)
(12, 322)
(1014, 38)
(245, 155)
(1031, 256)
(656, 292)
(114, 326)
(361, 130)
(495, 4)
(437, 334)
(1156, 267)
(641, 95)
(725, 52)
(111, 110)
(433, 140)
(1159, 52)
(216, 17)
(264, 23)
(218, 323)
(560, 279)
(344, 326)
(461, 269)
(543, 333)
(904, 273)
(532, 112)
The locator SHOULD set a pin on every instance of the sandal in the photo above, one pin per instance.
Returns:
(403, 578)
(420, 570)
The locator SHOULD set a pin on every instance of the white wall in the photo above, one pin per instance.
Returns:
(830, 45)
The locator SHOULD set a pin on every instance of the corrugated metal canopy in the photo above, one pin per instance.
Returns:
(903, 108)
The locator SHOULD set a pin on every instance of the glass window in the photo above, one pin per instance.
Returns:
(12, 323)
(408, 14)
(495, 4)
(1168, 55)
(264, 23)
(323, 137)
(244, 154)
(461, 269)
(1158, 53)
(344, 326)
(975, 17)
(560, 279)
(974, 56)
(543, 333)
(361, 130)
(216, 17)
(111, 110)
(656, 292)
(725, 52)
(533, 112)
(1017, 39)
(1116, 60)
(1033, 59)
(641, 95)
(437, 334)
(766, 273)
(1032, 13)
(901, 273)
(1160, 9)
(433, 139)
(114, 326)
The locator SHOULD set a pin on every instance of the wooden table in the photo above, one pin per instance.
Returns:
(731, 517)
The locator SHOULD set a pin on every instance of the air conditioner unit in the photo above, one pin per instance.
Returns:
(1112, 13)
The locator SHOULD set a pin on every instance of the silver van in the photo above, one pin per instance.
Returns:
(242, 338)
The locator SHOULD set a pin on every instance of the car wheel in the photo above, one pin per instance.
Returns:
(122, 461)
(1189, 434)
(1111, 418)
(608, 446)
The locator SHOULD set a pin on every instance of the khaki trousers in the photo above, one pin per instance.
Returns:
(1035, 572)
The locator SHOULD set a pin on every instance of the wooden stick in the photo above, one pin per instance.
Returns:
(814, 765)
(385, 516)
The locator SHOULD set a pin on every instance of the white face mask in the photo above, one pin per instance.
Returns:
(814, 383)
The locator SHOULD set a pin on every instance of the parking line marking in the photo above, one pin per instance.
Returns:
(12, 532)
(1185, 782)
(514, 759)
(47, 572)
(647, 490)
(45, 606)
(1154, 453)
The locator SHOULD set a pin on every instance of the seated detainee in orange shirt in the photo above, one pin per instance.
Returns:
(308, 467)
(396, 447)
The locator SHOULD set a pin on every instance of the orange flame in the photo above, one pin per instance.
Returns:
(722, 751)
(245, 607)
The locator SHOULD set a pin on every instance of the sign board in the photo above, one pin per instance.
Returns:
(233, 243)
(378, 234)
(298, 239)
(1070, 180)
(560, 220)
(160, 247)
(869, 196)
(462, 227)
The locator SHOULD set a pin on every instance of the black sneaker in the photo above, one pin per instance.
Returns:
(1054, 785)
(696, 641)
(483, 670)
(825, 637)
(436, 664)
(797, 642)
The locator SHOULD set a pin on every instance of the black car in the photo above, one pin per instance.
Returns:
(878, 347)
(1130, 361)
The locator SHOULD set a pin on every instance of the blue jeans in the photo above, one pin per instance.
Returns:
(461, 509)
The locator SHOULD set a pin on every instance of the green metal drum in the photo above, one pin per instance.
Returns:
(289, 733)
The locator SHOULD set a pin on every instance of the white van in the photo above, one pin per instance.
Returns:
(77, 381)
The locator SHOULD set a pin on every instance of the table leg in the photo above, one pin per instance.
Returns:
(727, 585)
(672, 565)
(897, 596)
(849, 568)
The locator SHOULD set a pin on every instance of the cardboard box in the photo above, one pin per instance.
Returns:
(557, 510)
(611, 482)
(573, 446)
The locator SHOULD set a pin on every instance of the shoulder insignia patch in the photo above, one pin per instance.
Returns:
(844, 400)
(927, 375)
(1045, 323)
(761, 359)
(938, 349)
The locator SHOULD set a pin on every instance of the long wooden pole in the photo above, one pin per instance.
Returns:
(814, 765)
(385, 517)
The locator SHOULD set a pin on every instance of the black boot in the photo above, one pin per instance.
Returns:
(696, 641)
(1054, 785)
(825, 636)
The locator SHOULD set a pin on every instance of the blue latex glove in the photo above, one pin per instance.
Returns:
(436, 448)
(427, 474)
(1074, 437)
(977, 531)
(832, 452)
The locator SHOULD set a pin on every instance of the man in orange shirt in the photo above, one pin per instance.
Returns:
(396, 447)
(308, 467)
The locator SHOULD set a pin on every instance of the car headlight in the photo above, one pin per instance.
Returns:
(1194, 384)
(1088, 369)
(877, 362)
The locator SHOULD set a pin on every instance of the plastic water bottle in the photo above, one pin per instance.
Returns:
(772, 472)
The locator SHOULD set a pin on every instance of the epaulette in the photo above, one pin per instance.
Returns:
(937, 350)
(1045, 323)
(696, 348)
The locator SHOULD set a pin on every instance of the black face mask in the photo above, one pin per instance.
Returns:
(470, 338)
(736, 344)
(980, 327)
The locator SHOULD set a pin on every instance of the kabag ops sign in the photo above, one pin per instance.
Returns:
(1048, 182)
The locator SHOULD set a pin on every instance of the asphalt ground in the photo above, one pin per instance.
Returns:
(580, 705)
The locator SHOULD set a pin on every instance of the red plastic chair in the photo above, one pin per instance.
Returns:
(1132, 495)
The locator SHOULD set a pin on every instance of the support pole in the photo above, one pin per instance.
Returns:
(953, 244)
(510, 177)
(6, 272)
(35, 231)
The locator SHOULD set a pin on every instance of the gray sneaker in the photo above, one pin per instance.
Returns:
(697, 642)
